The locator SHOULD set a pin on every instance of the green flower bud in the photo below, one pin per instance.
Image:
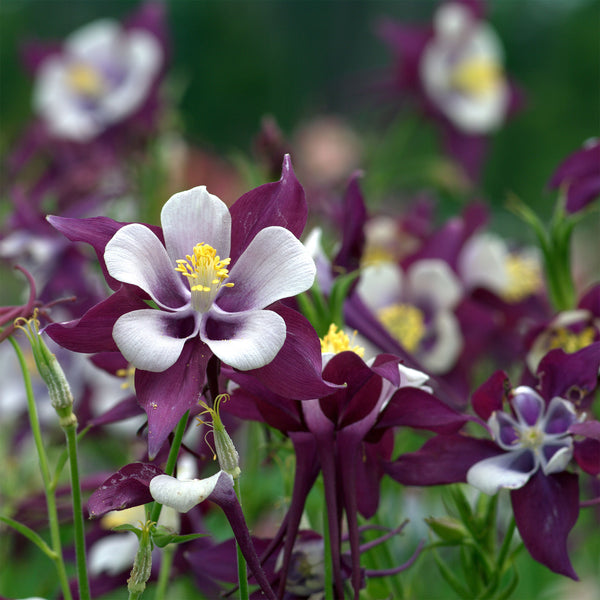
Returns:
(449, 529)
(142, 565)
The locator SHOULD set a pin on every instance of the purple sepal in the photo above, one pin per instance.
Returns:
(93, 332)
(546, 509)
(167, 395)
(587, 455)
(490, 395)
(96, 231)
(296, 371)
(355, 215)
(125, 409)
(570, 376)
(589, 429)
(224, 496)
(279, 203)
(129, 486)
(412, 407)
(442, 459)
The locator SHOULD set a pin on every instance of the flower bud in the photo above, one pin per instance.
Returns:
(449, 529)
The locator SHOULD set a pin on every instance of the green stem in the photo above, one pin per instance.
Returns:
(171, 460)
(82, 575)
(49, 488)
(241, 561)
(166, 563)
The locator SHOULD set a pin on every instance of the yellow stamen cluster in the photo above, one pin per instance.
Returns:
(85, 80)
(531, 438)
(570, 341)
(405, 322)
(477, 76)
(206, 273)
(337, 341)
(524, 278)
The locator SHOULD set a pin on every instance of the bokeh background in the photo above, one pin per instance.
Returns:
(233, 61)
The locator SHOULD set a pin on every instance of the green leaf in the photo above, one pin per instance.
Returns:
(129, 527)
(30, 535)
(339, 293)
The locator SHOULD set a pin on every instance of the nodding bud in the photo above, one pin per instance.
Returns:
(51, 372)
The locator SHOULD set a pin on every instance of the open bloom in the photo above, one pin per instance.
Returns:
(102, 76)
(189, 280)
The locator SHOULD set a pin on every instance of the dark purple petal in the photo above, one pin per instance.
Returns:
(125, 409)
(489, 396)
(353, 238)
(279, 203)
(166, 396)
(587, 455)
(590, 429)
(369, 472)
(581, 193)
(296, 371)
(412, 407)
(591, 300)
(546, 509)
(129, 486)
(93, 332)
(96, 231)
(442, 459)
(569, 376)
(224, 496)
(386, 365)
(468, 150)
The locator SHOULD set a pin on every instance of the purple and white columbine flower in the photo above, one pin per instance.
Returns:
(189, 280)
(102, 76)
(535, 437)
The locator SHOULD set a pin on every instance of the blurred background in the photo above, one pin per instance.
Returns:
(235, 61)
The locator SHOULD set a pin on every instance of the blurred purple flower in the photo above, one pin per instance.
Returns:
(454, 68)
(579, 176)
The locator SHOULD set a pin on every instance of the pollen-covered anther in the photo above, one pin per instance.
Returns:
(338, 341)
(406, 323)
(477, 76)
(206, 273)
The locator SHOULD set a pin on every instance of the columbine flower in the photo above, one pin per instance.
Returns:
(416, 309)
(579, 176)
(189, 279)
(532, 447)
(209, 288)
(455, 69)
(102, 76)
(535, 437)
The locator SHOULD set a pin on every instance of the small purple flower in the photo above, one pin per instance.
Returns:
(579, 176)
(535, 437)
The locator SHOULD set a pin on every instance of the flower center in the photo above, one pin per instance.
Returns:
(405, 322)
(128, 376)
(337, 341)
(570, 341)
(524, 278)
(476, 76)
(531, 437)
(85, 80)
(206, 274)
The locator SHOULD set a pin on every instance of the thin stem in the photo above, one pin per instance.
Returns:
(171, 460)
(45, 471)
(82, 575)
(241, 561)
(166, 563)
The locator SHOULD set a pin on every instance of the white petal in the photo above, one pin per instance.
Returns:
(492, 474)
(135, 255)
(195, 217)
(413, 378)
(442, 356)
(482, 262)
(433, 281)
(275, 265)
(380, 285)
(560, 459)
(113, 554)
(182, 495)
(143, 55)
(85, 42)
(150, 339)
(245, 340)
